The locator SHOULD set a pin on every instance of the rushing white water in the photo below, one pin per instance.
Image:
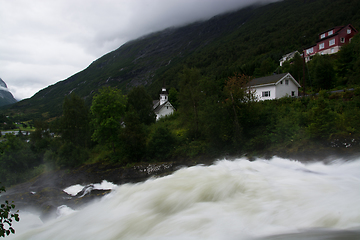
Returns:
(228, 200)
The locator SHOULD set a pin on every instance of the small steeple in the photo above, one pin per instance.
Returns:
(163, 96)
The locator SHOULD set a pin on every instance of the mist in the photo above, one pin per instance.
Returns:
(44, 42)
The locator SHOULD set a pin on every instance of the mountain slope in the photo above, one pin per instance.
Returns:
(243, 41)
(6, 97)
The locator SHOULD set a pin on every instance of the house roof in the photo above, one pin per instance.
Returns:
(337, 29)
(159, 107)
(266, 80)
(156, 103)
(289, 55)
(271, 80)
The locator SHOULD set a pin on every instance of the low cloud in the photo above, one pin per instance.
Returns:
(4, 89)
(47, 41)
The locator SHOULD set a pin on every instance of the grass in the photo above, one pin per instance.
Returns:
(22, 128)
(18, 127)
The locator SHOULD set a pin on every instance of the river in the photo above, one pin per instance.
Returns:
(239, 199)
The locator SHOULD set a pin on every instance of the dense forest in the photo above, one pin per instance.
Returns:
(213, 118)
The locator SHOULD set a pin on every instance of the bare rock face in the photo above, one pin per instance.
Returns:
(6, 97)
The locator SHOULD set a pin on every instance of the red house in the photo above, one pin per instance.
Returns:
(330, 41)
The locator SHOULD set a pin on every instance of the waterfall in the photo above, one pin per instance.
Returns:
(237, 199)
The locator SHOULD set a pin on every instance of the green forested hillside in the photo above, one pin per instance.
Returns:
(255, 48)
(249, 41)
(104, 113)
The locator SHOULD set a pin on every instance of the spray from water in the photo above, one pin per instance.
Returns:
(228, 200)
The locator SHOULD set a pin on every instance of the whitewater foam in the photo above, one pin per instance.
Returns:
(228, 200)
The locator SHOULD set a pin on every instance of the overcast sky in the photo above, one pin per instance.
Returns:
(46, 41)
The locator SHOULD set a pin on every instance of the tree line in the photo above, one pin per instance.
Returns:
(214, 115)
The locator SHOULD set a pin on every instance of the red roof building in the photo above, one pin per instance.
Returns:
(330, 41)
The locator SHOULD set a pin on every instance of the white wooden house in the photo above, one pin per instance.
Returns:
(287, 57)
(163, 107)
(274, 86)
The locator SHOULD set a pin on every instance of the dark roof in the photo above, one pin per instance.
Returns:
(290, 55)
(340, 28)
(159, 107)
(267, 80)
(155, 103)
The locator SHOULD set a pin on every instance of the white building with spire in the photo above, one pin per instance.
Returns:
(163, 107)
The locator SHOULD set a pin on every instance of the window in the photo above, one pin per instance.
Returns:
(330, 32)
(310, 50)
(280, 82)
(348, 30)
(266, 94)
(293, 93)
(322, 36)
(332, 42)
(286, 81)
(342, 40)
(333, 50)
(321, 46)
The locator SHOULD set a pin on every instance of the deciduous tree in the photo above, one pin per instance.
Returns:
(322, 72)
(173, 98)
(75, 121)
(141, 102)
(107, 110)
(238, 97)
(189, 97)
(133, 137)
(40, 138)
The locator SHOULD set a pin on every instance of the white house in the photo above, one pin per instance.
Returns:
(163, 107)
(274, 86)
(287, 57)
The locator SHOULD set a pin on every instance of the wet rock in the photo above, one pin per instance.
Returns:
(45, 192)
(85, 191)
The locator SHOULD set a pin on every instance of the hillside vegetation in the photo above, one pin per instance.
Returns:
(205, 67)
(249, 41)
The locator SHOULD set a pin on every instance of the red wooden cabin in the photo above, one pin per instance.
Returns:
(330, 41)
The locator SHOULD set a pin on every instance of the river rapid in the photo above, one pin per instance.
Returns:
(239, 199)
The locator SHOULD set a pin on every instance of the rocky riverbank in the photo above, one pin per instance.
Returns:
(45, 193)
